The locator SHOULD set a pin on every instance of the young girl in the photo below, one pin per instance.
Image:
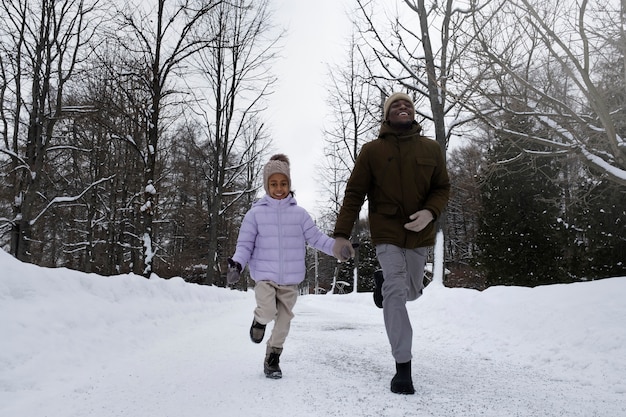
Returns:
(272, 241)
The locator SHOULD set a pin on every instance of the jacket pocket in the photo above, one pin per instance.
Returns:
(424, 170)
(429, 162)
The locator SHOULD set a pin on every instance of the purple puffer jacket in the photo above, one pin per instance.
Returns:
(272, 240)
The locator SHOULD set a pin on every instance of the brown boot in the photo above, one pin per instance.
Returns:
(257, 331)
(270, 366)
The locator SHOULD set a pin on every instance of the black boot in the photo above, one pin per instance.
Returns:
(257, 331)
(270, 366)
(402, 383)
(378, 288)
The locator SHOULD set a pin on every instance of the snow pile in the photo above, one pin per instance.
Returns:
(76, 344)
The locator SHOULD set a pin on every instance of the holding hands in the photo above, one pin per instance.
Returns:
(343, 249)
(234, 271)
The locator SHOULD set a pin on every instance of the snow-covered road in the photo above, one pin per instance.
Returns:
(77, 345)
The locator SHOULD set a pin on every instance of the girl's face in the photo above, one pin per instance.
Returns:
(278, 185)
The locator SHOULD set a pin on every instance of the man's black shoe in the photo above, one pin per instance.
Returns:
(378, 288)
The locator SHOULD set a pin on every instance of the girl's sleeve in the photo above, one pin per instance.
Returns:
(246, 239)
(314, 236)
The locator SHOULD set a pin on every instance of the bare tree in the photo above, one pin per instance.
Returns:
(464, 167)
(43, 46)
(160, 42)
(236, 80)
(113, 134)
(355, 103)
(419, 54)
(183, 204)
(542, 60)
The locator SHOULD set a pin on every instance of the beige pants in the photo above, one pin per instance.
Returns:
(275, 302)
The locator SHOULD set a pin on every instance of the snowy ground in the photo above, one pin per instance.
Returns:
(78, 345)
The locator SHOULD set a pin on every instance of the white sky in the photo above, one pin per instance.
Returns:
(318, 32)
(81, 345)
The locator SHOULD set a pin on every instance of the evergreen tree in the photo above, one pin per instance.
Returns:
(367, 261)
(598, 232)
(519, 238)
(601, 219)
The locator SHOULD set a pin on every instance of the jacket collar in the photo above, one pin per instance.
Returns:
(387, 131)
(266, 200)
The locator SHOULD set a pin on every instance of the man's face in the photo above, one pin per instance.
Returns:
(401, 113)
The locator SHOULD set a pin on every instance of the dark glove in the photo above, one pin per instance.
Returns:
(234, 271)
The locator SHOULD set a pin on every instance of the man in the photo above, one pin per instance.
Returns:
(404, 177)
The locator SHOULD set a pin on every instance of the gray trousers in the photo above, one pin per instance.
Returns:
(403, 270)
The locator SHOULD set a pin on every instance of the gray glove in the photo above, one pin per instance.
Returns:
(342, 249)
(421, 219)
(234, 271)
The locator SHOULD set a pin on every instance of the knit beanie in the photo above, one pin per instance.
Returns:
(278, 164)
(395, 97)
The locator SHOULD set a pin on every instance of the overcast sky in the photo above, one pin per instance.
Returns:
(317, 35)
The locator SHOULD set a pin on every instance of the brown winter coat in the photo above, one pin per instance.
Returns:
(400, 174)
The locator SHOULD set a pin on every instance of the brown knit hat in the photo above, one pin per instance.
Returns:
(278, 164)
(395, 97)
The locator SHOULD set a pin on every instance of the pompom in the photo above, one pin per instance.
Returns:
(280, 157)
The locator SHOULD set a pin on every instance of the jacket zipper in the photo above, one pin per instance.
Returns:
(280, 246)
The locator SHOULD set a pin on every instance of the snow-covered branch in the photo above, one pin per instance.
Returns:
(69, 199)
